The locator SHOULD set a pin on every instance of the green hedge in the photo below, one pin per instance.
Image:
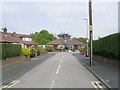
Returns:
(10, 50)
(108, 46)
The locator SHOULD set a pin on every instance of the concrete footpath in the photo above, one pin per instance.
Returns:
(108, 74)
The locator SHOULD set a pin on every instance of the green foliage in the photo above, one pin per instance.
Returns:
(25, 51)
(82, 49)
(108, 46)
(83, 40)
(40, 48)
(42, 37)
(10, 50)
(50, 48)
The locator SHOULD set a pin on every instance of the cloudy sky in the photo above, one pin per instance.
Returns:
(59, 16)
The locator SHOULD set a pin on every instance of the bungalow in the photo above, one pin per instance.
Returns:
(65, 42)
(14, 38)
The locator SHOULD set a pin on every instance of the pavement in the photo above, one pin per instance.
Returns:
(63, 70)
(12, 71)
(107, 73)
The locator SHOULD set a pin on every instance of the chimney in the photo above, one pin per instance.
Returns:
(13, 34)
(4, 30)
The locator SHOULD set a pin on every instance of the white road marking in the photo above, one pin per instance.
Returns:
(5, 86)
(58, 69)
(61, 59)
(11, 84)
(53, 82)
(59, 66)
(98, 86)
(94, 84)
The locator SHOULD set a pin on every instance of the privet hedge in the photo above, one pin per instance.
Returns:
(10, 50)
(108, 46)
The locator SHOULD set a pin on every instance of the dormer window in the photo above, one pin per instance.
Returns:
(26, 39)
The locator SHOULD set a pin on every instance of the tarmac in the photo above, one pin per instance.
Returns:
(106, 73)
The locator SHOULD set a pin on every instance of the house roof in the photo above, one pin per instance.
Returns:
(64, 41)
(14, 38)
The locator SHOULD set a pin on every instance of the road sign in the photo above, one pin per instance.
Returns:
(90, 28)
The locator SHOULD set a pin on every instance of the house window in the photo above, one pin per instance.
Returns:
(26, 39)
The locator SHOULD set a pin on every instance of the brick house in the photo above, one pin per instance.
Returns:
(14, 38)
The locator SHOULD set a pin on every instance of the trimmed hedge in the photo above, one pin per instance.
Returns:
(10, 50)
(108, 46)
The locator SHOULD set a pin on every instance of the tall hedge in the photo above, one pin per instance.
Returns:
(10, 50)
(108, 46)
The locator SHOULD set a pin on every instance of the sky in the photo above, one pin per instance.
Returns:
(59, 16)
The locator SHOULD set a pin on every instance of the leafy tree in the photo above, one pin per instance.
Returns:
(65, 36)
(81, 39)
(42, 37)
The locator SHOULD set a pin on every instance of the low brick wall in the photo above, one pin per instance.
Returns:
(14, 60)
(105, 60)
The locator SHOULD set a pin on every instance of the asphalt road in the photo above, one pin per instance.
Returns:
(63, 70)
(10, 72)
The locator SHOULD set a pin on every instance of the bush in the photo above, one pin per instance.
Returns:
(82, 49)
(107, 46)
(10, 50)
(25, 51)
(50, 48)
(40, 48)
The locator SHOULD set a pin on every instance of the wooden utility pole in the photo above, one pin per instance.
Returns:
(90, 32)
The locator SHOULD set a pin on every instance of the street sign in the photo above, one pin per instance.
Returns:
(90, 28)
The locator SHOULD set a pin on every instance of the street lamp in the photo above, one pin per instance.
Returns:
(87, 38)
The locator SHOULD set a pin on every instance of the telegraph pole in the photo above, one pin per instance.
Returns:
(90, 32)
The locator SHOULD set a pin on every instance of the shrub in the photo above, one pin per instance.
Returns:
(40, 48)
(25, 51)
(50, 48)
(10, 50)
(107, 46)
(82, 49)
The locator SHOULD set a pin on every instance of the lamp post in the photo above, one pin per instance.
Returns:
(87, 38)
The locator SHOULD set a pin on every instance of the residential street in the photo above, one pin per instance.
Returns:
(63, 70)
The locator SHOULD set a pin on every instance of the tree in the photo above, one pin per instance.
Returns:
(65, 36)
(81, 39)
(42, 37)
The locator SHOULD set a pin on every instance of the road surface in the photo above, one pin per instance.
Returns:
(63, 70)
